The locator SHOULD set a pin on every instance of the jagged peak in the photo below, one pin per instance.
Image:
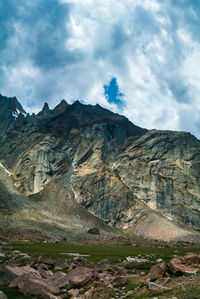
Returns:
(76, 103)
(45, 107)
(61, 107)
(11, 106)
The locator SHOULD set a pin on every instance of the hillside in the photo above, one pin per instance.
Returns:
(81, 165)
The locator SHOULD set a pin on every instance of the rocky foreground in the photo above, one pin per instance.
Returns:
(78, 278)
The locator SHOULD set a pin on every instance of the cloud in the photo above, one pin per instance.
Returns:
(72, 49)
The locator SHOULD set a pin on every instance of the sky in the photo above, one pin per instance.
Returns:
(139, 58)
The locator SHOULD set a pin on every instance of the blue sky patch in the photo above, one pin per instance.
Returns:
(112, 92)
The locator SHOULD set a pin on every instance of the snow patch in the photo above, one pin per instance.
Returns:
(14, 114)
(17, 112)
(74, 254)
(6, 170)
(169, 218)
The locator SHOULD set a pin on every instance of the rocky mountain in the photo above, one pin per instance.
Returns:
(88, 160)
(10, 110)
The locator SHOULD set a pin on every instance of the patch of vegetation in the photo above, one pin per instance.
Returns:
(97, 253)
(191, 291)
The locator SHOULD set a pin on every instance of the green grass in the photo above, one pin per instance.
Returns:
(101, 251)
(189, 292)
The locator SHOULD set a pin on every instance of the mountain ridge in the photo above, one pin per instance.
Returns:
(124, 175)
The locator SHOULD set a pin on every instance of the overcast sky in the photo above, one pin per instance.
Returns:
(140, 58)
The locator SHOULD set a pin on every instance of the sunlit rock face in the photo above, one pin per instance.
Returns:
(116, 170)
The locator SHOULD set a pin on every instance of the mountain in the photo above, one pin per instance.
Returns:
(10, 110)
(95, 167)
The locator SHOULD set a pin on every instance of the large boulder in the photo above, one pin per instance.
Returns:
(137, 263)
(9, 273)
(34, 284)
(75, 278)
(158, 271)
(80, 276)
(188, 264)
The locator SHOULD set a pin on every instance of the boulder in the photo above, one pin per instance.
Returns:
(188, 264)
(158, 270)
(61, 279)
(73, 292)
(80, 276)
(9, 273)
(45, 273)
(94, 231)
(79, 260)
(163, 281)
(3, 296)
(136, 263)
(60, 264)
(45, 259)
(119, 280)
(155, 288)
(34, 284)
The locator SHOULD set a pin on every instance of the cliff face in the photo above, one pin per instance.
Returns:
(117, 171)
(162, 169)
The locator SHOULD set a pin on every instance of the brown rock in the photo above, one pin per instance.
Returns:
(45, 274)
(119, 280)
(163, 281)
(45, 259)
(33, 284)
(155, 288)
(94, 231)
(80, 276)
(189, 263)
(72, 266)
(158, 270)
(73, 292)
(79, 260)
(9, 273)
(89, 293)
(60, 264)
(60, 279)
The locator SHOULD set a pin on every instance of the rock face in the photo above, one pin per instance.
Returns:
(123, 174)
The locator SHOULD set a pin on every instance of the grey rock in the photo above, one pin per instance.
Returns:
(3, 296)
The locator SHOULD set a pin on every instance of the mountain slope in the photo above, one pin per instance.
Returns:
(123, 174)
(18, 212)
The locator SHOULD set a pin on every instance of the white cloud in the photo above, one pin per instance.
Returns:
(150, 46)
